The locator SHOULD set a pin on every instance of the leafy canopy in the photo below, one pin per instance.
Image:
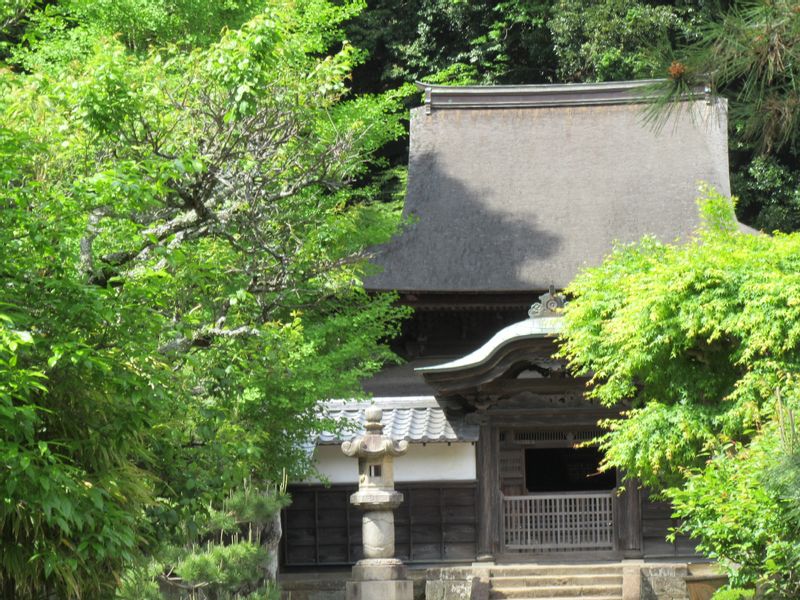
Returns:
(750, 54)
(184, 245)
(701, 341)
(619, 39)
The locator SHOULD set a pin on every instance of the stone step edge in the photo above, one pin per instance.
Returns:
(526, 585)
(617, 597)
(577, 588)
(549, 571)
(607, 578)
(559, 591)
(547, 565)
(613, 596)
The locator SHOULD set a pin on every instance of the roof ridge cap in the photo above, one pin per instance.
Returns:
(439, 96)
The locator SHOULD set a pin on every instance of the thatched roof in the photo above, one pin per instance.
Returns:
(519, 187)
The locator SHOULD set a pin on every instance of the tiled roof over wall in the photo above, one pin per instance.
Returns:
(416, 419)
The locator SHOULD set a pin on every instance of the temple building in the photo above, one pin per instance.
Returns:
(512, 190)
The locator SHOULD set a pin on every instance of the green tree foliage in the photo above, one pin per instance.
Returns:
(521, 41)
(181, 276)
(453, 41)
(742, 508)
(58, 31)
(769, 190)
(230, 557)
(733, 594)
(701, 342)
(77, 399)
(750, 55)
(618, 39)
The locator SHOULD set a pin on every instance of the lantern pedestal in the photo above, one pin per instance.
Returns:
(379, 576)
(380, 579)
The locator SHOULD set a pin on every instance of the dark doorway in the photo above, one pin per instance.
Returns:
(566, 470)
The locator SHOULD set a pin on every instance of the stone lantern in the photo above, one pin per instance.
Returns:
(379, 574)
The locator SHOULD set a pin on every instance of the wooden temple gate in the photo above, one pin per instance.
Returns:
(558, 522)
(552, 513)
(539, 489)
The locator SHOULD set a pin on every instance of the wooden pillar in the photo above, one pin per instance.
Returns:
(629, 520)
(488, 493)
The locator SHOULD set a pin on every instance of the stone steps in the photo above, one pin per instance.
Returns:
(562, 591)
(556, 582)
(614, 597)
(556, 569)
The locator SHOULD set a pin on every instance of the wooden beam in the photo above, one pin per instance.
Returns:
(629, 520)
(565, 422)
(535, 386)
(488, 493)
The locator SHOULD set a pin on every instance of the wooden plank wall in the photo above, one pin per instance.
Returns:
(656, 523)
(436, 522)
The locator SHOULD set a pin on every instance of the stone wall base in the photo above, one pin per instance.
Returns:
(456, 583)
(641, 581)
(380, 590)
(332, 585)
(664, 582)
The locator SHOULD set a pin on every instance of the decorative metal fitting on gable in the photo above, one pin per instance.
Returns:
(550, 305)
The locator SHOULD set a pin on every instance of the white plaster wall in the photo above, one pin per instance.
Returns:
(431, 462)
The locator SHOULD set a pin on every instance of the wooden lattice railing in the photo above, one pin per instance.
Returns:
(559, 522)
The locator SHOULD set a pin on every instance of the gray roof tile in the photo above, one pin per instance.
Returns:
(416, 419)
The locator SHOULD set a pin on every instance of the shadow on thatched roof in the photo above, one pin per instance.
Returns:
(519, 187)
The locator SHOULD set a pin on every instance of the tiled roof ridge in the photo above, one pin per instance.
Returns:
(417, 419)
(386, 402)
